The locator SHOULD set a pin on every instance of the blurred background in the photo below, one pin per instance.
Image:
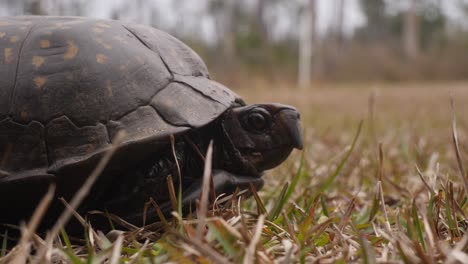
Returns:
(298, 43)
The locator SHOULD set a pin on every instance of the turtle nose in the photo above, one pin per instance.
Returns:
(291, 122)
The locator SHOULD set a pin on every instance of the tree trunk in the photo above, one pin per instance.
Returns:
(35, 7)
(340, 24)
(260, 20)
(229, 34)
(306, 41)
(411, 32)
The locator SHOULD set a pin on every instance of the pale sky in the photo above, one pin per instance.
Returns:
(325, 14)
(169, 13)
(190, 15)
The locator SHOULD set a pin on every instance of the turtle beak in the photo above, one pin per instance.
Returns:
(290, 119)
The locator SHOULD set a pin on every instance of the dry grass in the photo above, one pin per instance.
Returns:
(390, 191)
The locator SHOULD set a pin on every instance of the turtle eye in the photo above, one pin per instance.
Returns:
(258, 120)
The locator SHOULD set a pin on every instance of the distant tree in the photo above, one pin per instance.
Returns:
(224, 13)
(411, 32)
(421, 25)
(339, 23)
(34, 7)
(306, 43)
(12, 7)
(376, 27)
(261, 22)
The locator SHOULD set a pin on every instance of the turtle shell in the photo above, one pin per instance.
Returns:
(69, 84)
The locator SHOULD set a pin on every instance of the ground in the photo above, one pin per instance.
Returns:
(387, 191)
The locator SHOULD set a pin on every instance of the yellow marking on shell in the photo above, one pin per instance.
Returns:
(101, 58)
(8, 55)
(103, 43)
(14, 39)
(2, 34)
(109, 88)
(4, 23)
(39, 81)
(103, 25)
(98, 30)
(38, 61)
(72, 50)
(44, 43)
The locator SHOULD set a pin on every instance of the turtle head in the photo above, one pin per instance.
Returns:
(263, 134)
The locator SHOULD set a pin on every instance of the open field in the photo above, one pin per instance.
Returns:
(336, 202)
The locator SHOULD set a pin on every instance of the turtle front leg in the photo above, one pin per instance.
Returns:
(224, 182)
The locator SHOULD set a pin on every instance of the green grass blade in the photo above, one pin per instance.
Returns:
(368, 254)
(324, 205)
(66, 239)
(260, 206)
(375, 207)
(109, 219)
(4, 244)
(227, 240)
(340, 166)
(402, 254)
(448, 213)
(279, 204)
(300, 172)
(417, 225)
(74, 259)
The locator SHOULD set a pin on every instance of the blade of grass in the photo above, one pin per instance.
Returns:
(424, 181)
(251, 249)
(368, 253)
(116, 251)
(417, 225)
(205, 192)
(326, 185)
(324, 205)
(295, 180)
(375, 203)
(227, 240)
(179, 176)
(203, 248)
(66, 239)
(172, 193)
(279, 203)
(4, 244)
(456, 146)
(111, 223)
(402, 253)
(260, 206)
(384, 208)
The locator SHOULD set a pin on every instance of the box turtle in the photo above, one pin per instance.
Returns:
(69, 84)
